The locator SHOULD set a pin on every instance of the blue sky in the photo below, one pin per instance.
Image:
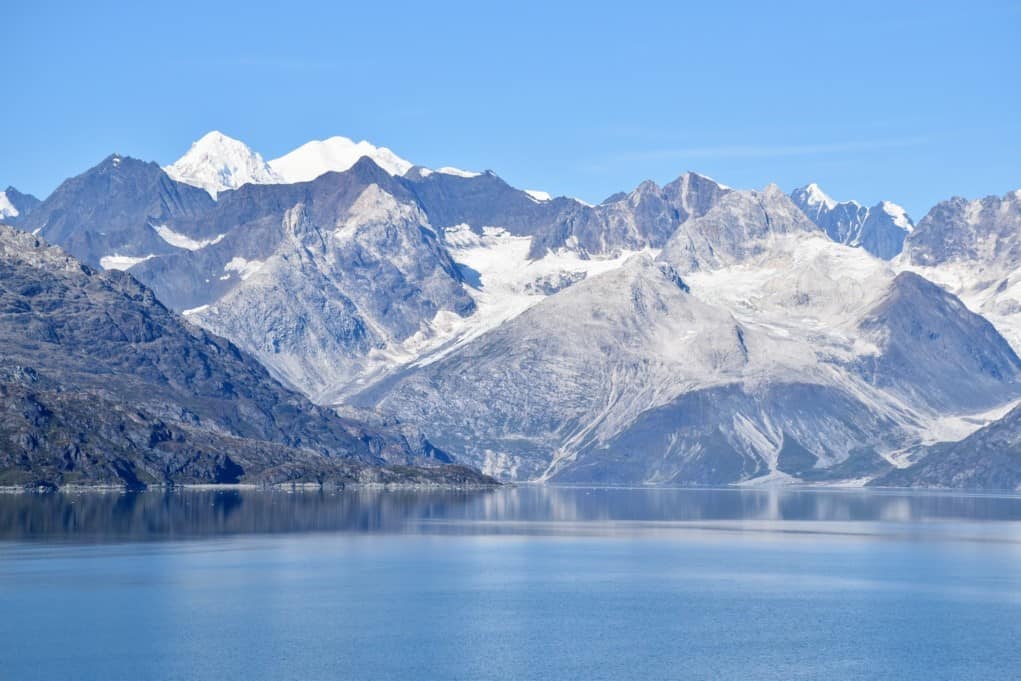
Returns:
(912, 102)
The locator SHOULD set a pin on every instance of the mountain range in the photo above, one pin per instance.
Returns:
(690, 333)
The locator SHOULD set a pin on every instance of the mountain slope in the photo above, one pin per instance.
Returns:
(102, 384)
(988, 459)
(569, 389)
(880, 230)
(217, 163)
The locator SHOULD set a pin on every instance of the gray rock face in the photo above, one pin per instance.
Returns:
(973, 249)
(483, 200)
(645, 218)
(514, 396)
(739, 227)
(880, 230)
(102, 384)
(112, 208)
(959, 230)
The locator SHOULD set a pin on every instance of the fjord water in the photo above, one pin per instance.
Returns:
(515, 583)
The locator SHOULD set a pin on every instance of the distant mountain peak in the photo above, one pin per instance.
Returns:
(14, 204)
(880, 230)
(217, 163)
(334, 154)
(813, 195)
(7, 207)
(691, 175)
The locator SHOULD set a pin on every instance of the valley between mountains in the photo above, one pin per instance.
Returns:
(342, 314)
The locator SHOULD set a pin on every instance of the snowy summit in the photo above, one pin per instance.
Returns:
(217, 162)
(335, 154)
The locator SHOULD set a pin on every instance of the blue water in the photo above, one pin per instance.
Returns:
(526, 583)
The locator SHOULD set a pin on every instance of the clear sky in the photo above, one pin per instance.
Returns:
(908, 101)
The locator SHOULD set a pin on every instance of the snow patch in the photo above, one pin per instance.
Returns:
(898, 215)
(241, 266)
(449, 170)
(538, 196)
(504, 282)
(816, 196)
(183, 241)
(121, 262)
(7, 209)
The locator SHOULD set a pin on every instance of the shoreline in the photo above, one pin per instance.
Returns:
(431, 486)
(227, 487)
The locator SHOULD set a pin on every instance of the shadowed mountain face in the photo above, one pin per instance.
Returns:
(102, 384)
(111, 210)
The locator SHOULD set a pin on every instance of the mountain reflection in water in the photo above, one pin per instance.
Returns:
(188, 514)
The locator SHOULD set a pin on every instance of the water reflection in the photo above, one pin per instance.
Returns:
(99, 517)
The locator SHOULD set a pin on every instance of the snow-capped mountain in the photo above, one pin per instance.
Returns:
(723, 335)
(217, 163)
(335, 154)
(880, 230)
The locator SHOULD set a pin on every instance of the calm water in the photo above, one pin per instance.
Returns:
(526, 583)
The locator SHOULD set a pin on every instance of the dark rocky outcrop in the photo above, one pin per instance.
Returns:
(101, 384)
